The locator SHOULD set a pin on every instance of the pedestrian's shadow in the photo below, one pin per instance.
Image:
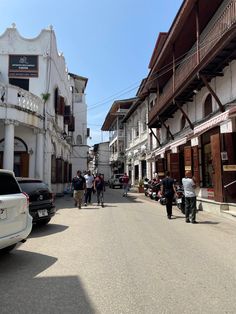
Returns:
(207, 222)
(177, 217)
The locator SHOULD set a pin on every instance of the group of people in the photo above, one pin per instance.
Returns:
(85, 185)
(168, 191)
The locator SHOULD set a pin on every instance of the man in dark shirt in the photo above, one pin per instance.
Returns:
(79, 185)
(168, 191)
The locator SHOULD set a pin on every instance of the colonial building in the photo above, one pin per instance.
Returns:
(80, 149)
(37, 100)
(100, 162)
(136, 141)
(113, 123)
(193, 72)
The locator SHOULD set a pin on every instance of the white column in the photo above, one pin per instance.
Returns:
(133, 172)
(153, 169)
(149, 169)
(39, 156)
(139, 170)
(8, 158)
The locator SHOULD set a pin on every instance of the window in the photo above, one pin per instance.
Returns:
(22, 83)
(79, 140)
(208, 106)
(182, 123)
(8, 184)
(137, 129)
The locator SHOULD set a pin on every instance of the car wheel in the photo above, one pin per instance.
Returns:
(43, 222)
(7, 249)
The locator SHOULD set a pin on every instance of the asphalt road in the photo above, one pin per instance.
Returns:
(124, 258)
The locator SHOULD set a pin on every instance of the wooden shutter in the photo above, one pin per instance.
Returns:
(188, 158)
(53, 169)
(217, 168)
(196, 172)
(174, 166)
(160, 167)
(24, 159)
(58, 170)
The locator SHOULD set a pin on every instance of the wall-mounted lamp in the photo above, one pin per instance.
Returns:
(31, 151)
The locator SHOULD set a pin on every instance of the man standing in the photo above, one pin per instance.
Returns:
(168, 191)
(125, 182)
(189, 185)
(79, 186)
(89, 187)
(99, 187)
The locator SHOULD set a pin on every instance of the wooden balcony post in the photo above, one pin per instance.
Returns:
(173, 51)
(185, 115)
(222, 109)
(197, 31)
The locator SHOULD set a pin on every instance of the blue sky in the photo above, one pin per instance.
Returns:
(108, 41)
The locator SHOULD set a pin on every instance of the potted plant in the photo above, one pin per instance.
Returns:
(141, 186)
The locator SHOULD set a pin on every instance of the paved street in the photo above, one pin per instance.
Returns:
(124, 258)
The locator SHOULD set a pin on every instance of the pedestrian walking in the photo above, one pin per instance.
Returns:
(168, 191)
(189, 185)
(79, 185)
(99, 187)
(89, 187)
(125, 182)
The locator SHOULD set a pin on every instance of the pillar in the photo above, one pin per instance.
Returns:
(8, 157)
(39, 155)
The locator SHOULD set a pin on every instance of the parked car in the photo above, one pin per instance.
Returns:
(115, 180)
(15, 220)
(41, 199)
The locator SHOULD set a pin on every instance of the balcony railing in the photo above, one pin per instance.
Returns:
(223, 23)
(118, 134)
(13, 95)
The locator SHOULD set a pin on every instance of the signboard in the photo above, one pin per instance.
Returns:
(23, 66)
(229, 167)
(210, 193)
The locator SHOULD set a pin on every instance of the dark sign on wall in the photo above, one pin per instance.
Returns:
(23, 66)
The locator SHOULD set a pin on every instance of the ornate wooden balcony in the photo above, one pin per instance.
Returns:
(211, 41)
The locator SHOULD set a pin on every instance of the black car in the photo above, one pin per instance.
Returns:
(41, 199)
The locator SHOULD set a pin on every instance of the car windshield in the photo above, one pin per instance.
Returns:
(8, 184)
(32, 186)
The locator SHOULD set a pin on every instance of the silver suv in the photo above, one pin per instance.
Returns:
(15, 220)
(115, 180)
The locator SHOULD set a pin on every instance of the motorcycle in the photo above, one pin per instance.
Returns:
(153, 190)
(180, 199)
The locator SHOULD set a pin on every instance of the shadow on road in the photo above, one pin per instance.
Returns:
(26, 289)
(39, 231)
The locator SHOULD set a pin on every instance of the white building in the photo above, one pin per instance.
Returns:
(101, 160)
(136, 143)
(36, 108)
(80, 149)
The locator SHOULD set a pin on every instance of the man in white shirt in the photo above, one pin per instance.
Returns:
(189, 185)
(89, 187)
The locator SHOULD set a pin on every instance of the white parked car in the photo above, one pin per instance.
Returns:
(115, 180)
(15, 220)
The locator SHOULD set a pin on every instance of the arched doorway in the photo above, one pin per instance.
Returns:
(21, 157)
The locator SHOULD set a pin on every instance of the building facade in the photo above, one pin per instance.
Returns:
(117, 141)
(195, 106)
(36, 108)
